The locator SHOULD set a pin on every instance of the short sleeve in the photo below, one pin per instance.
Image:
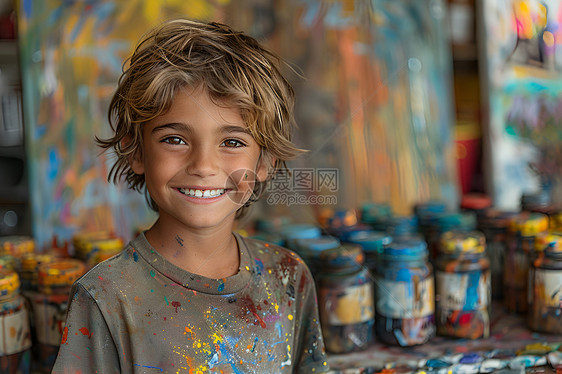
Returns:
(87, 345)
(311, 354)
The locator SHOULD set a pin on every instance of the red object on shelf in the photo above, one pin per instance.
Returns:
(467, 143)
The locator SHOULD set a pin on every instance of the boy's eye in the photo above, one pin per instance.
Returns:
(173, 140)
(233, 143)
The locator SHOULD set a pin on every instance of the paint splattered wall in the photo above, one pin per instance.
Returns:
(71, 57)
(523, 75)
(374, 101)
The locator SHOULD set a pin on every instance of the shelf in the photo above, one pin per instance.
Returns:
(508, 332)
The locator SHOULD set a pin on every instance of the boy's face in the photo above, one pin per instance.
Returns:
(199, 162)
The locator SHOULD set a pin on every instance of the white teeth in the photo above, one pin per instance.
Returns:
(201, 193)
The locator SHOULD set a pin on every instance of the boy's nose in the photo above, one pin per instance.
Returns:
(202, 162)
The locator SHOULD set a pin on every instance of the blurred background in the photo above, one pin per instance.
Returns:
(403, 102)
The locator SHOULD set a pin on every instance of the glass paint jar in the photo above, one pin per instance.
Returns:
(494, 225)
(29, 269)
(545, 286)
(397, 226)
(95, 247)
(49, 305)
(15, 334)
(404, 294)
(463, 286)
(523, 230)
(295, 231)
(372, 243)
(448, 221)
(345, 299)
(372, 212)
(310, 248)
(426, 212)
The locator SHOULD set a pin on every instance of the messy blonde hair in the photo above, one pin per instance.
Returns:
(232, 67)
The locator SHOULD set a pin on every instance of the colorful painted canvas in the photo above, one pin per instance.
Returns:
(522, 50)
(71, 57)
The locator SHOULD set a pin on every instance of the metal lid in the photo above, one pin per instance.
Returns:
(462, 242)
(405, 249)
(60, 273)
(371, 212)
(529, 224)
(16, 245)
(370, 241)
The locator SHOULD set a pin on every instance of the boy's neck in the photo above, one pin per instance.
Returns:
(211, 253)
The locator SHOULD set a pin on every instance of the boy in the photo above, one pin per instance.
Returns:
(201, 117)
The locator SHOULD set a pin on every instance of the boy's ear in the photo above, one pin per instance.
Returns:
(135, 159)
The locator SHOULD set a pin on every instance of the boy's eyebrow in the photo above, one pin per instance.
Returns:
(173, 126)
(232, 129)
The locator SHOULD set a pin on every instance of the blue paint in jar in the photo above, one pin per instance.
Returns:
(404, 294)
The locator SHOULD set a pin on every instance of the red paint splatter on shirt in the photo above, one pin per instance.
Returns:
(85, 331)
(176, 304)
(64, 335)
(248, 303)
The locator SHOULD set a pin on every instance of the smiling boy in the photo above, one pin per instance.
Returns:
(202, 117)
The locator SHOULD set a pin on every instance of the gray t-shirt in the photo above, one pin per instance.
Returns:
(137, 312)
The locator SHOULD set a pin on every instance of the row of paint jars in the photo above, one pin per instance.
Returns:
(403, 304)
(43, 281)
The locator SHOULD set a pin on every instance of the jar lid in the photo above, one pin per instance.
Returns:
(31, 261)
(60, 273)
(397, 225)
(8, 262)
(345, 256)
(346, 232)
(9, 283)
(529, 224)
(533, 200)
(476, 201)
(271, 224)
(497, 219)
(321, 243)
(447, 221)
(370, 241)
(16, 245)
(112, 245)
(467, 242)
(341, 219)
(429, 208)
(371, 212)
(300, 231)
(405, 249)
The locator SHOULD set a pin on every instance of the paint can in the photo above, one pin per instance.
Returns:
(523, 230)
(16, 245)
(463, 286)
(494, 225)
(15, 334)
(545, 286)
(404, 294)
(345, 299)
(95, 247)
(49, 305)
(426, 212)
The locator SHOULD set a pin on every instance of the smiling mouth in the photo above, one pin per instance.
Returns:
(204, 194)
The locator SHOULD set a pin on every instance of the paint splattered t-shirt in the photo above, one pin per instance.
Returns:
(137, 312)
